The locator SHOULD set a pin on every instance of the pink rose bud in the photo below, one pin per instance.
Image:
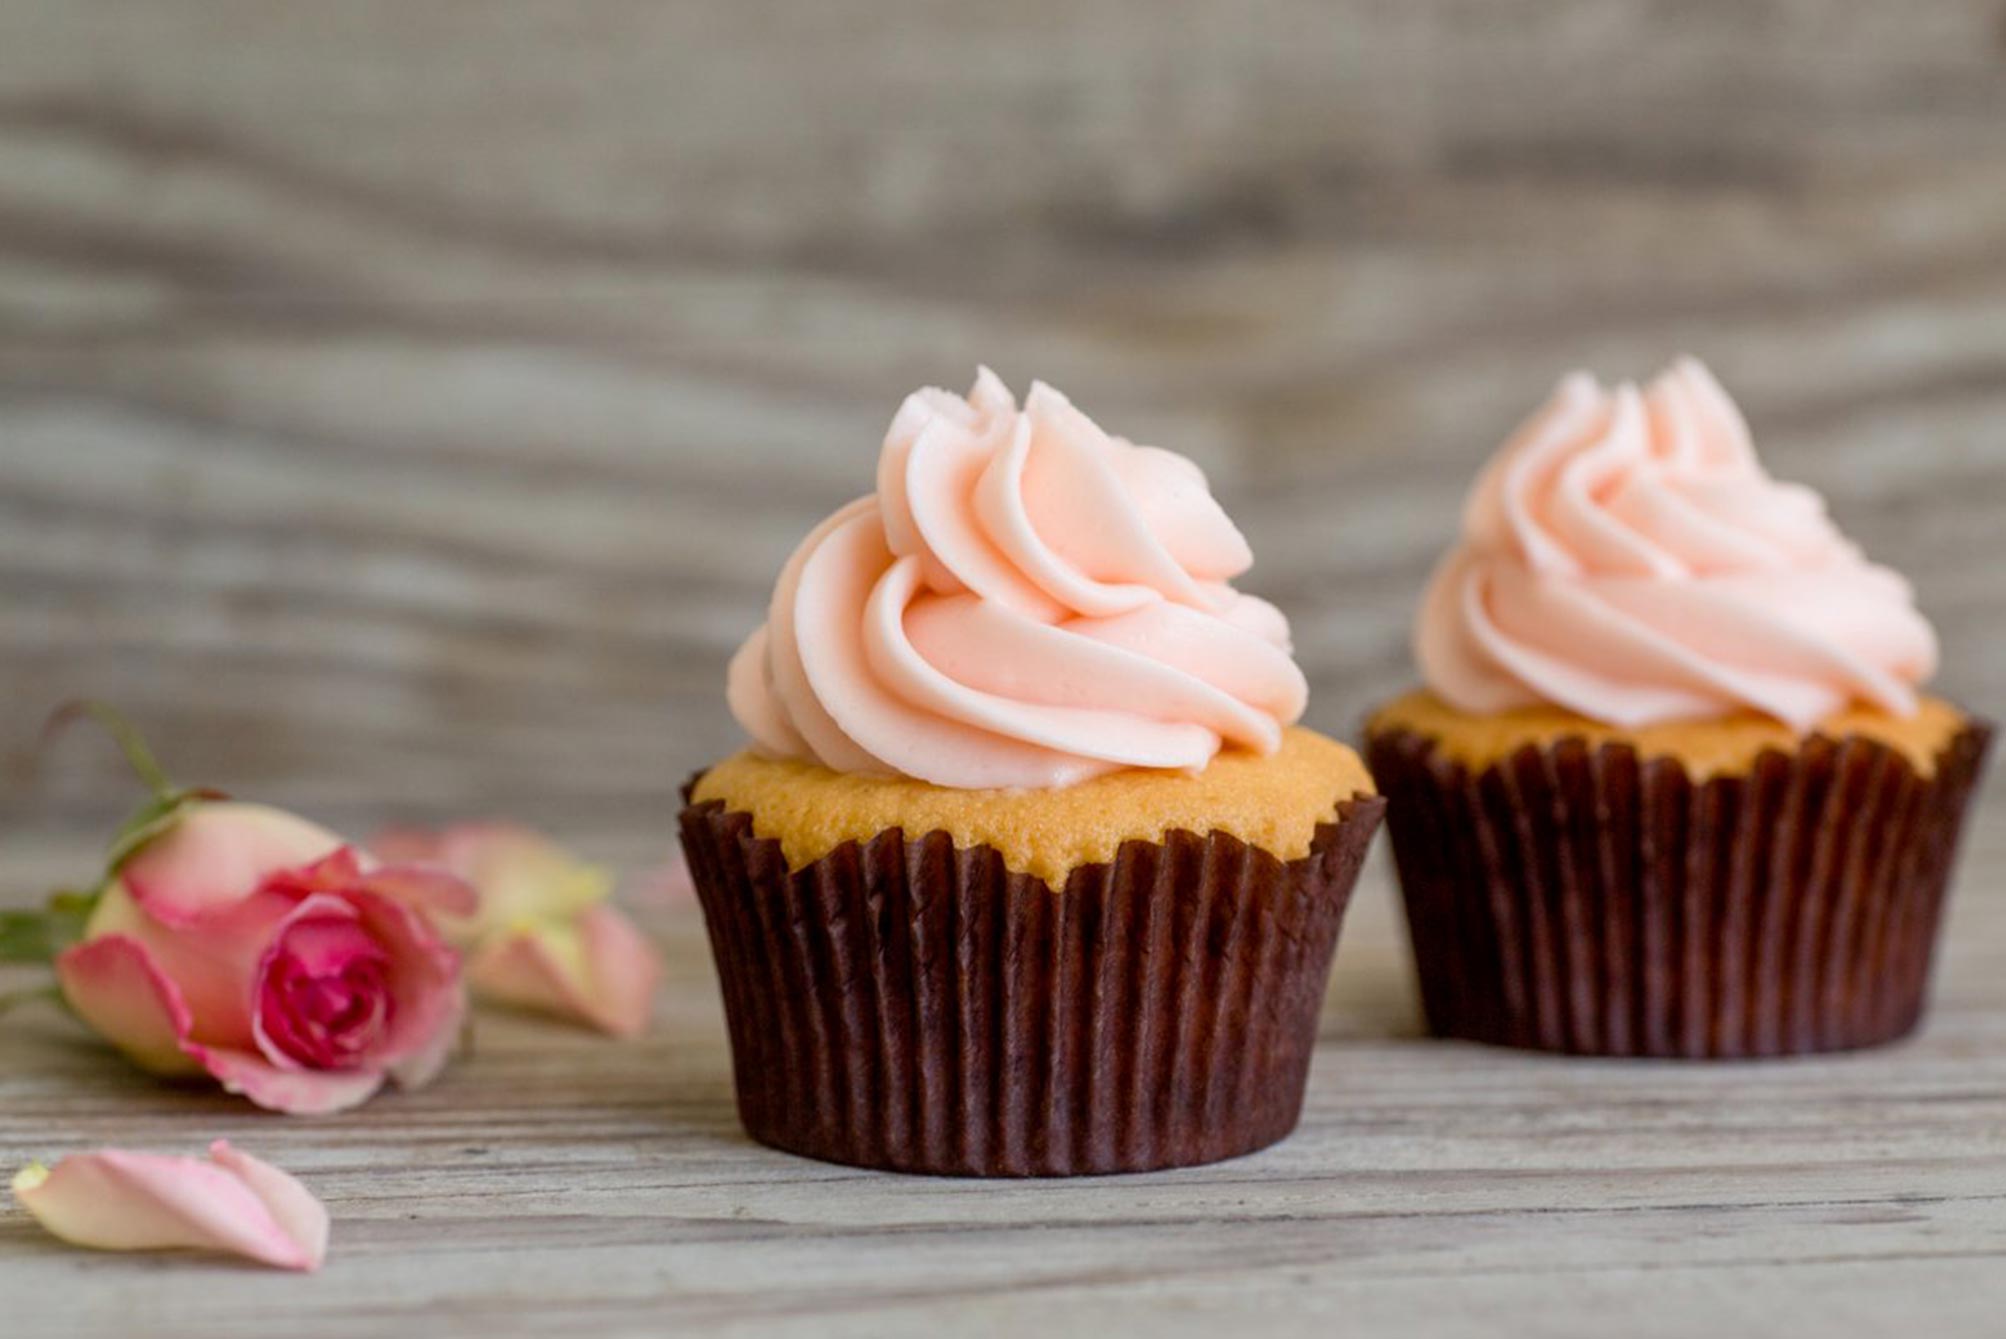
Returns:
(545, 937)
(114, 1200)
(252, 945)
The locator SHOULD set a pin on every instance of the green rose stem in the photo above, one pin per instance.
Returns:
(35, 994)
(39, 936)
(123, 733)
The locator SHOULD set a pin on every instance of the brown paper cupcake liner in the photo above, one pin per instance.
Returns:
(910, 1005)
(1576, 899)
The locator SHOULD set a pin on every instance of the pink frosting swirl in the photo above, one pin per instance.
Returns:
(1024, 602)
(1626, 557)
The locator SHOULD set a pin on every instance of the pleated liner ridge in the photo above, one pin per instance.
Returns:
(1573, 899)
(910, 1005)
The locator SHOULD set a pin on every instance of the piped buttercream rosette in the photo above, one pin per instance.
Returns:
(1625, 556)
(1026, 601)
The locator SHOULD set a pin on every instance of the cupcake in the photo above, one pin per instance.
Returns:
(1027, 870)
(1671, 788)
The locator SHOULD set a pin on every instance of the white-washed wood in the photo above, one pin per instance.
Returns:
(405, 407)
(408, 411)
(554, 1179)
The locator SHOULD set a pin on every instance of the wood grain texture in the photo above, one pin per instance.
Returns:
(557, 1180)
(405, 407)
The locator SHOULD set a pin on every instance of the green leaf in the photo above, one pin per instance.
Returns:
(10, 999)
(69, 912)
(26, 936)
(38, 936)
(73, 904)
(166, 806)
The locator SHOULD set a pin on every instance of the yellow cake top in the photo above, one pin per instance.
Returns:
(1727, 744)
(1274, 803)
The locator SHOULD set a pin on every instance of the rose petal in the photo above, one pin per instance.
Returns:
(115, 986)
(522, 875)
(432, 890)
(406, 846)
(420, 1066)
(337, 869)
(426, 987)
(219, 854)
(518, 874)
(429, 888)
(299, 1215)
(598, 970)
(424, 1029)
(115, 1200)
(297, 1092)
(312, 907)
(210, 957)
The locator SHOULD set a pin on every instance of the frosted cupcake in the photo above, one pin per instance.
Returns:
(1671, 788)
(1028, 871)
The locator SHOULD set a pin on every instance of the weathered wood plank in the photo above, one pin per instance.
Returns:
(404, 409)
(555, 1178)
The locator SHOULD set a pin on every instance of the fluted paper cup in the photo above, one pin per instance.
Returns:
(910, 1005)
(1579, 899)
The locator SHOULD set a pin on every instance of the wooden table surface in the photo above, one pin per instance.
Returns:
(557, 1181)
(404, 409)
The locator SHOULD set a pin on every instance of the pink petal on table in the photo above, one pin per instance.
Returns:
(297, 1092)
(599, 970)
(115, 1200)
(293, 1207)
(115, 986)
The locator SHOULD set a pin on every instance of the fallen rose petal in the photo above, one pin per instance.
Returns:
(519, 874)
(544, 936)
(116, 1200)
(115, 986)
(293, 1207)
(599, 969)
(522, 875)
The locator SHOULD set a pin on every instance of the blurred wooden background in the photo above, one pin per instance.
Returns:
(404, 408)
